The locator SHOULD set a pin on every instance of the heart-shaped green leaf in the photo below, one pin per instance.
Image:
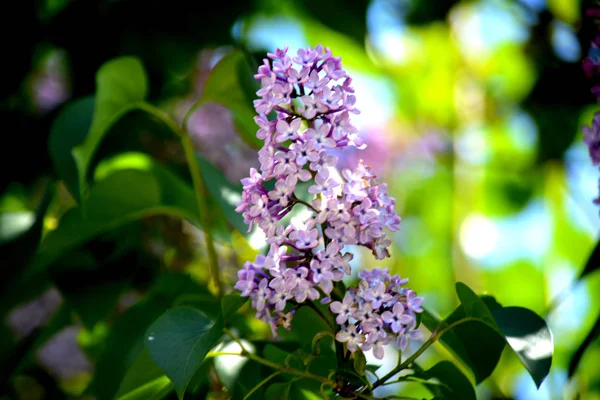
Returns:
(474, 343)
(69, 130)
(529, 337)
(120, 85)
(228, 85)
(179, 340)
(455, 384)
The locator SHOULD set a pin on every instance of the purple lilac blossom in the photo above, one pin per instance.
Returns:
(378, 312)
(591, 137)
(304, 118)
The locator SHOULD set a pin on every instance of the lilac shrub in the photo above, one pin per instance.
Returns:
(304, 119)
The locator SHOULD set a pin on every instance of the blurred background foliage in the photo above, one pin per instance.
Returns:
(471, 110)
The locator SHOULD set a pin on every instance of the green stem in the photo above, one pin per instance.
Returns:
(205, 219)
(261, 383)
(281, 368)
(297, 200)
(434, 336)
(339, 346)
(289, 370)
(323, 317)
(162, 116)
(222, 353)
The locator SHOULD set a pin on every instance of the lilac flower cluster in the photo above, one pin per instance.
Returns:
(304, 118)
(377, 312)
(591, 63)
(591, 137)
(591, 68)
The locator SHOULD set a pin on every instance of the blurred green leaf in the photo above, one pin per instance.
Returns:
(231, 303)
(18, 252)
(248, 377)
(352, 21)
(120, 84)
(224, 193)
(179, 340)
(144, 380)
(50, 8)
(93, 292)
(590, 338)
(124, 345)
(68, 131)
(124, 196)
(422, 13)
(355, 55)
(360, 362)
(455, 386)
(593, 262)
(277, 355)
(278, 391)
(298, 390)
(529, 337)
(227, 85)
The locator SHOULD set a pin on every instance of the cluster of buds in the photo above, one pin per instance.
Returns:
(304, 119)
(377, 312)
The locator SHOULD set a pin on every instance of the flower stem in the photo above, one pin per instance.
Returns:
(435, 335)
(205, 215)
(297, 200)
(281, 368)
(323, 316)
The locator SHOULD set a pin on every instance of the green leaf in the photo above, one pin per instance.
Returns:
(298, 390)
(123, 197)
(474, 343)
(590, 338)
(316, 342)
(18, 252)
(478, 342)
(231, 303)
(120, 85)
(246, 379)
(69, 130)
(278, 391)
(228, 85)
(593, 262)
(529, 337)
(226, 194)
(276, 355)
(179, 340)
(144, 380)
(360, 362)
(93, 290)
(455, 384)
(473, 306)
(126, 338)
(124, 344)
(307, 325)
